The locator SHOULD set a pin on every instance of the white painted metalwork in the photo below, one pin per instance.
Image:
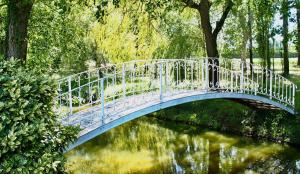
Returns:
(117, 88)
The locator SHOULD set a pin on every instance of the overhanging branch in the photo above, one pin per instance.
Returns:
(191, 4)
(1, 5)
(220, 23)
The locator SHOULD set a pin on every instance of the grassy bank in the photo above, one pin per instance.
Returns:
(228, 116)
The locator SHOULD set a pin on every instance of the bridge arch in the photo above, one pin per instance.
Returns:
(109, 96)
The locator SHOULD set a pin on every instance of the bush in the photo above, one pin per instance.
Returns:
(31, 138)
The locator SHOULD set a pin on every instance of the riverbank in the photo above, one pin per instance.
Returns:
(234, 118)
(231, 117)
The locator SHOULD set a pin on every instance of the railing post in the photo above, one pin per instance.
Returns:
(206, 74)
(102, 102)
(160, 82)
(231, 80)
(293, 99)
(166, 77)
(70, 94)
(271, 85)
(192, 75)
(286, 93)
(242, 77)
(202, 75)
(255, 88)
(124, 80)
(282, 90)
(90, 89)
(274, 91)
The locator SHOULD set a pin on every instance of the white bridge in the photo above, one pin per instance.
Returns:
(106, 97)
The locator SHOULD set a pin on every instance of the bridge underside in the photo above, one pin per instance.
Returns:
(258, 104)
(92, 125)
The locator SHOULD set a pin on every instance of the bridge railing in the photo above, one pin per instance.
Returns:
(115, 88)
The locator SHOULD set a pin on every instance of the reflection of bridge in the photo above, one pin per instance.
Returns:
(104, 98)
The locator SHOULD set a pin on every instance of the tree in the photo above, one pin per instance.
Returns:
(264, 15)
(285, 35)
(236, 32)
(184, 40)
(298, 29)
(250, 26)
(245, 31)
(59, 36)
(18, 14)
(19, 22)
(204, 9)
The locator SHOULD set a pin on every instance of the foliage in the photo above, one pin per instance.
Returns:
(31, 139)
(125, 35)
(184, 39)
(58, 36)
(236, 32)
(264, 16)
(237, 119)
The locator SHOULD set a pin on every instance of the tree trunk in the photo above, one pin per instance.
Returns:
(298, 30)
(250, 22)
(210, 35)
(245, 35)
(268, 56)
(18, 12)
(285, 30)
(210, 42)
(273, 53)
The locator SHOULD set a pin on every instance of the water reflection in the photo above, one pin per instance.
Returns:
(152, 146)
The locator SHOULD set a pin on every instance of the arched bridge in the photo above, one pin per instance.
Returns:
(106, 97)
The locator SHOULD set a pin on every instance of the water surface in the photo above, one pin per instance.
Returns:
(151, 146)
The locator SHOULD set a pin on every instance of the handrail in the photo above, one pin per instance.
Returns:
(106, 85)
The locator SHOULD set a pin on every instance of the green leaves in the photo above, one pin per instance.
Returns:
(31, 139)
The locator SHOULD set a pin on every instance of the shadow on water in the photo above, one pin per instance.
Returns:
(150, 146)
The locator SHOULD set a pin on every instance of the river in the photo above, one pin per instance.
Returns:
(152, 146)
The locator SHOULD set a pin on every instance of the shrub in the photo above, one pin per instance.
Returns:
(31, 138)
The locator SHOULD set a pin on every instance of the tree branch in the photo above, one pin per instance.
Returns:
(191, 4)
(3, 4)
(220, 23)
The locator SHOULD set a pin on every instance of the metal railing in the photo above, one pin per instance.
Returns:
(123, 86)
